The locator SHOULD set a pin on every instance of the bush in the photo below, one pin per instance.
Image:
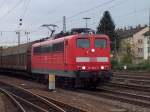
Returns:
(127, 59)
(114, 62)
(144, 66)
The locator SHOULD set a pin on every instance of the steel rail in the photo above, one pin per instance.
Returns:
(132, 73)
(125, 97)
(128, 98)
(17, 104)
(66, 107)
(129, 86)
(31, 97)
(133, 77)
(138, 81)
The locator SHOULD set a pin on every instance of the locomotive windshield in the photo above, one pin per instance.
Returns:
(100, 43)
(83, 43)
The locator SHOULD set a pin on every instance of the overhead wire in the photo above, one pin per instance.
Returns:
(91, 9)
(87, 10)
(111, 7)
(12, 9)
(26, 8)
(132, 13)
(79, 13)
(26, 4)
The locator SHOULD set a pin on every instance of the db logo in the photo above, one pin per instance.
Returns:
(93, 60)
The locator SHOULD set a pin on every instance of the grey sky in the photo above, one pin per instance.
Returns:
(124, 13)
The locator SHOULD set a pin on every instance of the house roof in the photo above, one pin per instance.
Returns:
(126, 33)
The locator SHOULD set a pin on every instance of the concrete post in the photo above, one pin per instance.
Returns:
(51, 80)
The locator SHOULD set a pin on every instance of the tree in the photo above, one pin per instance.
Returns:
(107, 26)
(126, 52)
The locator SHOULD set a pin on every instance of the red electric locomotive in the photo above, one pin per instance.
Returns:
(76, 60)
(79, 59)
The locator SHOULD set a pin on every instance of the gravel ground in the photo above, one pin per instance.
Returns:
(6, 105)
(2, 109)
(84, 101)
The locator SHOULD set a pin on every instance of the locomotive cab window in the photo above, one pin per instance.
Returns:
(83, 43)
(100, 43)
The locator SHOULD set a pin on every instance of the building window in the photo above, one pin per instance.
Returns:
(148, 42)
(140, 50)
(148, 49)
(140, 41)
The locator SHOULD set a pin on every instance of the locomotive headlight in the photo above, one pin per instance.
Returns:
(92, 50)
(83, 67)
(102, 67)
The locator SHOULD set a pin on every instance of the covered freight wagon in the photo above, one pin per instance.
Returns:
(16, 57)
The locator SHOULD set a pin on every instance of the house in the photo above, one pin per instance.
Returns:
(147, 45)
(135, 41)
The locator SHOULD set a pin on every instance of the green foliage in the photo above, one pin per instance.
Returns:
(127, 59)
(107, 26)
(114, 63)
(144, 66)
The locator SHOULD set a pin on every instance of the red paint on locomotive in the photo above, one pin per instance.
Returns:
(71, 54)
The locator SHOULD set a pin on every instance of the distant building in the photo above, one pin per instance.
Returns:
(147, 45)
(139, 45)
(136, 41)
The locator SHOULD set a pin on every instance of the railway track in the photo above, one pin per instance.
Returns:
(13, 100)
(129, 86)
(132, 73)
(133, 77)
(31, 102)
(132, 81)
(125, 96)
(124, 93)
(64, 106)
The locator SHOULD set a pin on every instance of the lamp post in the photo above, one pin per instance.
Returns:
(86, 19)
